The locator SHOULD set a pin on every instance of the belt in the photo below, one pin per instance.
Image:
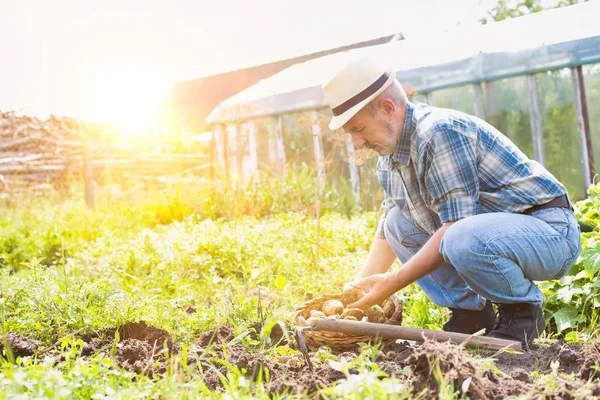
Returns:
(562, 201)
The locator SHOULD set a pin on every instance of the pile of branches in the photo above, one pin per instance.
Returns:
(37, 153)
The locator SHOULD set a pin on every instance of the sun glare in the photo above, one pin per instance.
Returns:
(129, 100)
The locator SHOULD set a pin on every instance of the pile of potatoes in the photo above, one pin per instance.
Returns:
(336, 309)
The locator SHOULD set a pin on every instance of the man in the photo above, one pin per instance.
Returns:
(472, 219)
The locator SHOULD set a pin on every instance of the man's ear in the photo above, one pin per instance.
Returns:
(388, 107)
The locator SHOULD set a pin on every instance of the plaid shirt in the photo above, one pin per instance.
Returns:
(449, 165)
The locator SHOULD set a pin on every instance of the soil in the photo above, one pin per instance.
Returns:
(156, 337)
(571, 358)
(20, 346)
(572, 370)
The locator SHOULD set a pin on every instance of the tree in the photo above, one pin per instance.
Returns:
(515, 8)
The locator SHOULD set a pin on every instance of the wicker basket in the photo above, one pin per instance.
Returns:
(337, 341)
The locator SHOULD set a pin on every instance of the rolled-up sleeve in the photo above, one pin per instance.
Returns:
(450, 174)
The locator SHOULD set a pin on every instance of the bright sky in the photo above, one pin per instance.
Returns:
(114, 60)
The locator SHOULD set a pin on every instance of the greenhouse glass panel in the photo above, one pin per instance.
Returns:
(266, 143)
(507, 109)
(419, 98)
(458, 98)
(297, 140)
(559, 126)
(371, 191)
(591, 78)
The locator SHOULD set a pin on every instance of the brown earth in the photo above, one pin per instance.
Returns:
(567, 370)
(20, 346)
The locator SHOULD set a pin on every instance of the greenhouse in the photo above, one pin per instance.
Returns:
(536, 78)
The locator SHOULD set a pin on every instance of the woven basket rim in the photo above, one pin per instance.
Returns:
(337, 340)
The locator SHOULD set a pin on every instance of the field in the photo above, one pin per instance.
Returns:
(189, 292)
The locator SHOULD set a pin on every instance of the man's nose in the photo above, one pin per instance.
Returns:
(358, 141)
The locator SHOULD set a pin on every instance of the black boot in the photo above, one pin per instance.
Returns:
(471, 321)
(522, 322)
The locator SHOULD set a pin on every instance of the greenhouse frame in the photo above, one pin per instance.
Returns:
(532, 77)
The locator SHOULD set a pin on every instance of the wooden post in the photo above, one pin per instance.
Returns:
(88, 171)
(583, 125)
(253, 167)
(232, 151)
(222, 157)
(318, 147)
(354, 174)
(535, 120)
(478, 100)
(280, 145)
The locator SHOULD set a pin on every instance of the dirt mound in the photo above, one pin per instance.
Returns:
(590, 362)
(135, 355)
(439, 366)
(572, 358)
(141, 348)
(20, 346)
(98, 341)
(222, 334)
(289, 374)
(146, 333)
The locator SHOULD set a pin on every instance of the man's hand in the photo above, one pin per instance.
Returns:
(378, 287)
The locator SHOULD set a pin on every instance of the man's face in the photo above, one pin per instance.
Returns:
(379, 132)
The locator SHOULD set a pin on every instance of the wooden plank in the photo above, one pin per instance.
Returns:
(535, 120)
(583, 126)
(416, 334)
(15, 142)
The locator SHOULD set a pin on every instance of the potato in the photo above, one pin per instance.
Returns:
(375, 314)
(351, 294)
(333, 307)
(388, 308)
(350, 318)
(317, 314)
(333, 316)
(353, 312)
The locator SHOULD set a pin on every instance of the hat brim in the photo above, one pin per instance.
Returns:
(339, 120)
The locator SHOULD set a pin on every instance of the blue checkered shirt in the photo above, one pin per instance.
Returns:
(449, 165)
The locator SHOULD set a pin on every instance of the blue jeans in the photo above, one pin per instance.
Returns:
(494, 256)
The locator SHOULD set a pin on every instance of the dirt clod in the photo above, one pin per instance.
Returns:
(222, 334)
(144, 332)
(20, 346)
(522, 375)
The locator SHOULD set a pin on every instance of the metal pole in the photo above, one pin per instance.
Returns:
(535, 120)
(478, 100)
(583, 125)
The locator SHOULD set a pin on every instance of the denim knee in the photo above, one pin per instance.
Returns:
(457, 243)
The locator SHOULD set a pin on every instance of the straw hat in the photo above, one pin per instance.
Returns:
(353, 87)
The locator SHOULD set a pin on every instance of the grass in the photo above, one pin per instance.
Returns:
(148, 255)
